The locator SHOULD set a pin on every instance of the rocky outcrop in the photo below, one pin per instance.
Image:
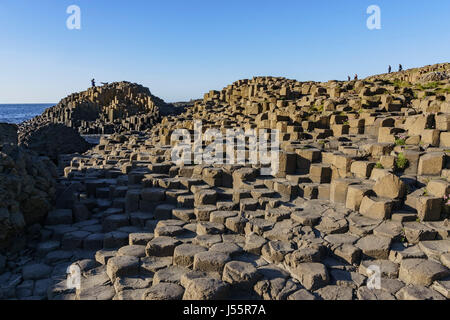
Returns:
(27, 190)
(428, 73)
(52, 140)
(435, 76)
(176, 108)
(8, 133)
(115, 107)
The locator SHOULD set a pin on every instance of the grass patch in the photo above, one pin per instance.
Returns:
(443, 90)
(401, 84)
(428, 86)
(401, 163)
(379, 166)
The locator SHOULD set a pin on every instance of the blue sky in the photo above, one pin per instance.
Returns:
(181, 49)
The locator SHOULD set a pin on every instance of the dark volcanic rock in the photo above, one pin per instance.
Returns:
(27, 190)
(51, 140)
(8, 133)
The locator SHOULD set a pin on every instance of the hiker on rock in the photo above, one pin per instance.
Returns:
(349, 78)
(400, 68)
(93, 82)
(389, 69)
(356, 76)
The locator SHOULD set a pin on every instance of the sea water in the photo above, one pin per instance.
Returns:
(18, 113)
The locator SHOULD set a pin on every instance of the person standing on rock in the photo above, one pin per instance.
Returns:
(356, 76)
(389, 69)
(400, 68)
(93, 82)
(349, 78)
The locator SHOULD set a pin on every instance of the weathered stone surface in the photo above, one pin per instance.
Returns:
(390, 186)
(96, 287)
(275, 251)
(161, 247)
(431, 164)
(240, 274)
(312, 275)
(416, 231)
(132, 283)
(172, 274)
(435, 249)
(418, 293)
(132, 251)
(210, 261)
(164, 291)
(443, 287)
(205, 288)
(122, 266)
(301, 295)
(335, 293)
(364, 293)
(184, 254)
(421, 272)
(376, 208)
(387, 268)
(374, 247)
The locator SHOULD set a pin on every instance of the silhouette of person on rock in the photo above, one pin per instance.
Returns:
(93, 82)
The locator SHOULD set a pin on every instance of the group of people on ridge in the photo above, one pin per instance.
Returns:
(400, 69)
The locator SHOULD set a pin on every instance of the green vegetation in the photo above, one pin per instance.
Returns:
(443, 90)
(435, 86)
(428, 86)
(400, 142)
(401, 84)
(401, 163)
(403, 238)
(379, 165)
(317, 108)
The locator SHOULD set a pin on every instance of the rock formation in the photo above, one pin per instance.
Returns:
(362, 185)
(115, 107)
(8, 133)
(417, 74)
(52, 140)
(27, 191)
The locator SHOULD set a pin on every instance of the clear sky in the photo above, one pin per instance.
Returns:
(181, 49)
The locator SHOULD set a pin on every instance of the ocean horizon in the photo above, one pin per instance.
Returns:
(17, 113)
